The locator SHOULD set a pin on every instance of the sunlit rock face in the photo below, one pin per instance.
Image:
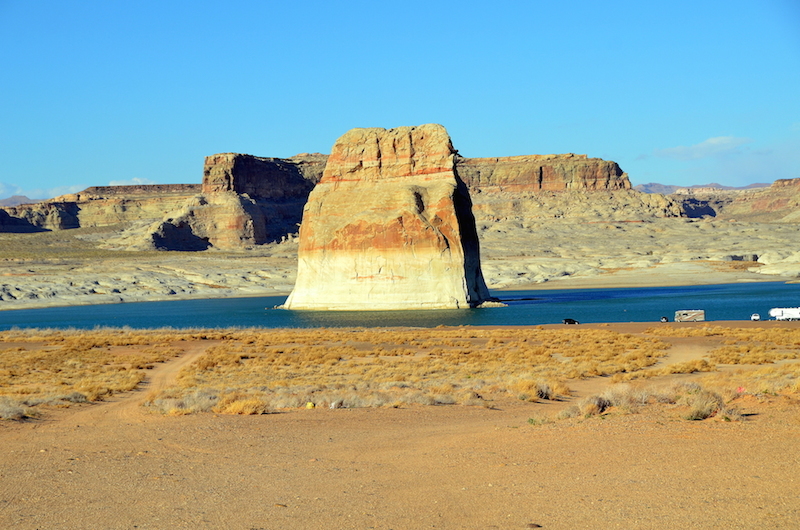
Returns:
(542, 173)
(389, 226)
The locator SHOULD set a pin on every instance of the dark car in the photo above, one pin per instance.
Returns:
(570, 321)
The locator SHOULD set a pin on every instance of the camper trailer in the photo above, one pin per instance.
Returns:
(785, 313)
(690, 315)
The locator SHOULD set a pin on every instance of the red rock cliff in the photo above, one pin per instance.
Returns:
(542, 172)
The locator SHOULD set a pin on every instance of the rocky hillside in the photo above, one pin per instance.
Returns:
(667, 189)
(778, 203)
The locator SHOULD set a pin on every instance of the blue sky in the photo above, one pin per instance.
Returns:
(678, 92)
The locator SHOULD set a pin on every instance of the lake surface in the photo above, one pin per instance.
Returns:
(531, 307)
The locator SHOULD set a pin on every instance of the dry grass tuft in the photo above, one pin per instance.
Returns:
(691, 401)
(703, 404)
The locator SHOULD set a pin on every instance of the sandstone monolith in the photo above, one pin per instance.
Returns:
(389, 226)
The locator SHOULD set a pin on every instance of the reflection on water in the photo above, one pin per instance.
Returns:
(721, 302)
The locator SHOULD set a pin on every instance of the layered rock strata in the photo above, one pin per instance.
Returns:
(39, 216)
(542, 173)
(260, 177)
(389, 226)
(777, 203)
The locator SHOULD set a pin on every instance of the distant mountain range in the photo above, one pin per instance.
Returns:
(668, 189)
(15, 200)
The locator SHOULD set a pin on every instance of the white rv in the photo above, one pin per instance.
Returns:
(785, 313)
(690, 315)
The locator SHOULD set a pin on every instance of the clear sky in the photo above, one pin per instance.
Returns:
(115, 92)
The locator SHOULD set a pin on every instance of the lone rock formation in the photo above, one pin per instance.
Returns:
(389, 226)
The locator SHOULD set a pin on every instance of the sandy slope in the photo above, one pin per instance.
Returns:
(114, 466)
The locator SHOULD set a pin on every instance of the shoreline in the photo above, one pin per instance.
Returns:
(678, 274)
(684, 276)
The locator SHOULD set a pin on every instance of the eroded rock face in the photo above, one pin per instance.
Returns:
(778, 203)
(261, 177)
(227, 221)
(223, 220)
(389, 226)
(542, 173)
(39, 216)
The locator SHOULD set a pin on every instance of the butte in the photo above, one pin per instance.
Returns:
(389, 226)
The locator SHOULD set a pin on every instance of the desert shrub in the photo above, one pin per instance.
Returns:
(11, 410)
(446, 365)
(355, 367)
(625, 397)
(703, 404)
(173, 401)
(593, 405)
(241, 403)
(688, 367)
(62, 367)
(531, 390)
(742, 345)
(444, 399)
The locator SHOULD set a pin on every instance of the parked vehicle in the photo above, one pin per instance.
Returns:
(785, 313)
(690, 315)
(755, 316)
(570, 321)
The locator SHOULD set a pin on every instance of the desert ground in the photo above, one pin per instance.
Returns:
(502, 461)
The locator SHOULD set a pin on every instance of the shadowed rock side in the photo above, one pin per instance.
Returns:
(389, 226)
(265, 178)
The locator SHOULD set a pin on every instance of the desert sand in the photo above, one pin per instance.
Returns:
(113, 465)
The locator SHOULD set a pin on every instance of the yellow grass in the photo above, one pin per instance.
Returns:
(742, 345)
(253, 371)
(390, 367)
(62, 367)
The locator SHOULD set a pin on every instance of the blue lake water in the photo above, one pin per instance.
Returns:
(531, 307)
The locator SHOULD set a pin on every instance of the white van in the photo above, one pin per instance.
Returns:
(690, 315)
